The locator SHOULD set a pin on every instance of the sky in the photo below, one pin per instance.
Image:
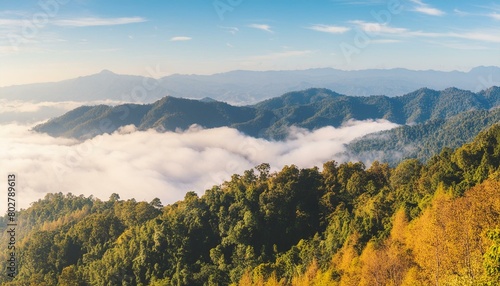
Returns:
(52, 40)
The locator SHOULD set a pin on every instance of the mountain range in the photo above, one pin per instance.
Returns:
(249, 87)
(424, 113)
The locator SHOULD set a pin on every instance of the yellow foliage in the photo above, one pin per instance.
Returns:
(74, 216)
(257, 279)
(346, 261)
(273, 281)
(412, 277)
(371, 272)
(399, 225)
(314, 277)
(246, 279)
(448, 239)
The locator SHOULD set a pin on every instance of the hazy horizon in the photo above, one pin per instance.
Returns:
(243, 70)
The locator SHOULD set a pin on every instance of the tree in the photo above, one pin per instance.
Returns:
(114, 197)
(70, 277)
(492, 257)
(156, 203)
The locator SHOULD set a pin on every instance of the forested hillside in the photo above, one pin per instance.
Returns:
(271, 119)
(416, 224)
(423, 140)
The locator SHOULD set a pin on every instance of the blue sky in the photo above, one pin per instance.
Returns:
(51, 40)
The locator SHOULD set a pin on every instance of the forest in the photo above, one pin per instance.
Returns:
(419, 223)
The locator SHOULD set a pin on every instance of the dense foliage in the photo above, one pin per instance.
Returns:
(415, 224)
(310, 109)
(423, 140)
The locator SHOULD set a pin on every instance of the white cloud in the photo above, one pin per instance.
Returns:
(330, 29)
(232, 30)
(384, 29)
(494, 16)
(385, 41)
(477, 36)
(13, 22)
(17, 13)
(461, 13)
(378, 28)
(262, 27)
(461, 46)
(426, 9)
(90, 21)
(148, 164)
(180, 39)
(429, 11)
(360, 2)
(280, 55)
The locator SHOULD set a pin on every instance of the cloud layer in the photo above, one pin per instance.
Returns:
(147, 164)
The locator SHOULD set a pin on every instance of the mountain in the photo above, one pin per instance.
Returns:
(250, 87)
(271, 119)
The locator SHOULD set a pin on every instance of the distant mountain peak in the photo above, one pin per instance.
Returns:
(208, 100)
(454, 89)
(106, 72)
(491, 90)
(423, 90)
(485, 69)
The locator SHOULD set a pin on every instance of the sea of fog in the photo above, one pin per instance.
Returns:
(148, 164)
